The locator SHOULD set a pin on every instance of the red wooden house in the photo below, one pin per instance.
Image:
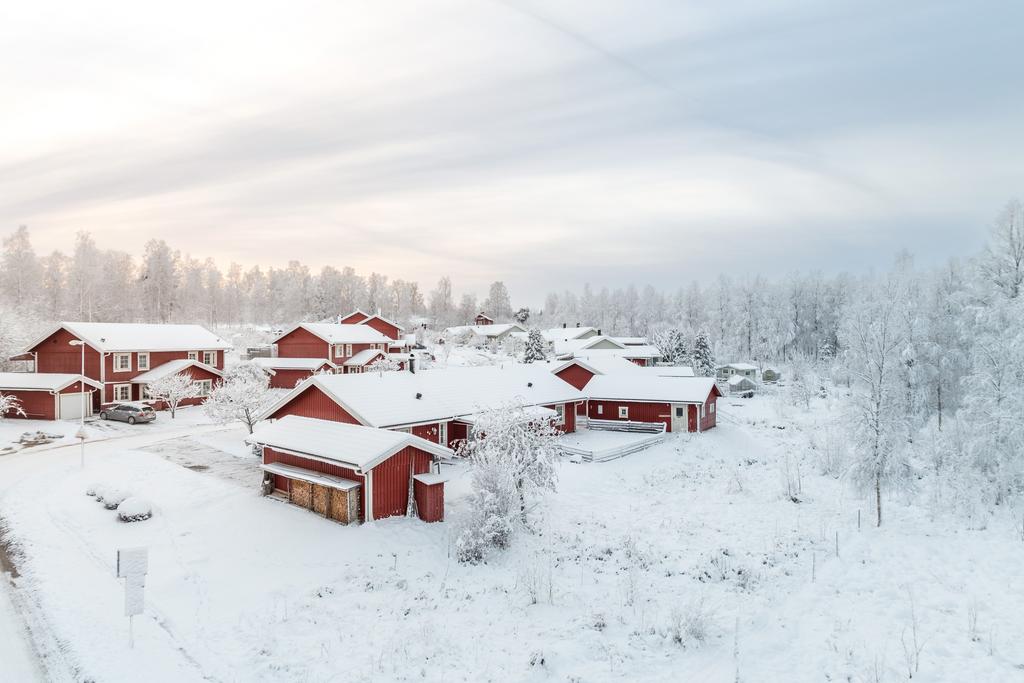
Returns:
(684, 404)
(333, 342)
(49, 396)
(350, 473)
(117, 353)
(437, 405)
(286, 373)
(388, 328)
(482, 319)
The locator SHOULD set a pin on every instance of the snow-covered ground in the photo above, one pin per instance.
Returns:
(688, 561)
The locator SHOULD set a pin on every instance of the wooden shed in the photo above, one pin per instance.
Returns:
(348, 472)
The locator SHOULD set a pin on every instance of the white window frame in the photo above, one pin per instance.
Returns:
(348, 350)
(205, 387)
(712, 407)
(623, 412)
(206, 362)
(560, 409)
(600, 409)
(193, 355)
(143, 355)
(442, 433)
(118, 388)
(117, 362)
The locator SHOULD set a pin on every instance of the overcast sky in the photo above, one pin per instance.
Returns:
(543, 143)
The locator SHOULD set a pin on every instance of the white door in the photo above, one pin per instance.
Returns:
(71, 406)
(678, 417)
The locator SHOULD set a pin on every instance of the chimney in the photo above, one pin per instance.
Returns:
(599, 333)
(577, 324)
(565, 325)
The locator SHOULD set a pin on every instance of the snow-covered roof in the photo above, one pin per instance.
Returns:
(576, 346)
(641, 387)
(364, 357)
(381, 318)
(557, 334)
(632, 341)
(486, 330)
(739, 366)
(392, 399)
(665, 370)
(529, 414)
(292, 363)
(601, 365)
(334, 333)
(41, 381)
(173, 367)
(109, 337)
(646, 352)
(355, 445)
(737, 380)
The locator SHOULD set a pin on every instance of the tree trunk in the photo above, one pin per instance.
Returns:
(878, 497)
(938, 394)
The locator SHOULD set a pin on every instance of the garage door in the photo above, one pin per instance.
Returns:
(71, 406)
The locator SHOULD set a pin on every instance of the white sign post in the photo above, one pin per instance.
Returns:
(132, 566)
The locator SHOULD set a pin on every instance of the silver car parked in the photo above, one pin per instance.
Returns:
(128, 412)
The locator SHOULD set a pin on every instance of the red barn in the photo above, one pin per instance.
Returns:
(436, 405)
(287, 373)
(336, 343)
(49, 396)
(682, 403)
(117, 353)
(351, 473)
(206, 376)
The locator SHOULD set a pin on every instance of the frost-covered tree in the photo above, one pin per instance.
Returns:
(536, 347)
(19, 269)
(1003, 260)
(385, 364)
(874, 339)
(522, 316)
(441, 303)
(158, 279)
(497, 304)
(512, 455)
(674, 346)
(703, 356)
(241, 397)
(10, 404)
(172, 390)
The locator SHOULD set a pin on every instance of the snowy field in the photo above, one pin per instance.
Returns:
(705, 558)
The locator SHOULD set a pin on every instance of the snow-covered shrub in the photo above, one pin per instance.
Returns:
(134, 509)
(10, 404)
(536, 347)
(173, 389)
(690, 624)
(93, 489)
(112, 498)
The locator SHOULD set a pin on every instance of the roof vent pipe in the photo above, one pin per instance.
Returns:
(529, 384)
(565, 325)
(599, 333)
(419, 395)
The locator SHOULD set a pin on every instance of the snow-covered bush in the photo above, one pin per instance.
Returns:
(241, 397)
(173, 390)
(10, 404)
(690, 625)
(513, 460)
(536, 347)
(134, 509)
(111, 498)
(386, 364)
(703, 357)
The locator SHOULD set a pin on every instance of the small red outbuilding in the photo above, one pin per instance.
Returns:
(49, 396)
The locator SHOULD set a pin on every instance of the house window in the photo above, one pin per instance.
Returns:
(623, 412)
(143, 361)
(205, 386)
(702, 411)
(122, 362)
(712, 407)
(560, 409)
(679, 411)
(122, 392)
(210, 357)
(442, 433)
(600, 409)
(348, 350)
(193, 355)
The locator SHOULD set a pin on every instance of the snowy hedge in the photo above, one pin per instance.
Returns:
(134, 509)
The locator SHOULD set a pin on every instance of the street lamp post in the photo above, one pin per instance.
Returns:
(81, 386)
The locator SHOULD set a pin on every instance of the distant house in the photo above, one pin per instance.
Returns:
(333, 342)
(724, 372)
(49, 396)
(388, 328)
(482, 334)
(348, 472)
(118, 353)
(683, 404)
(602, 346)
(482, 319)
(740, 385)
(205, 376)
(285, 373)
(566, 333)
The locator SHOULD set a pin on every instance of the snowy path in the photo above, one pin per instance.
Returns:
(16, 653)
